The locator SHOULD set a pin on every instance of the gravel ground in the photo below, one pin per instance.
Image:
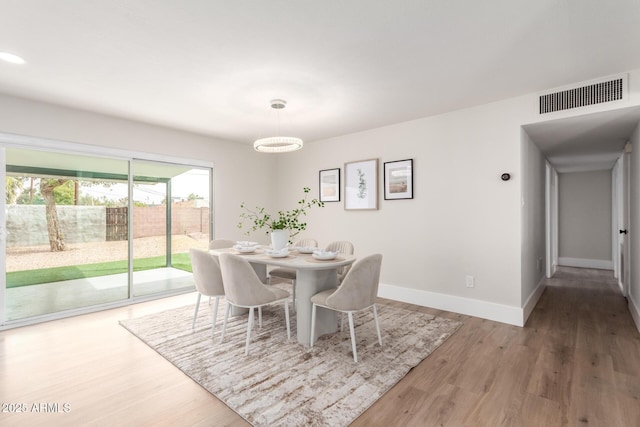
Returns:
(34, 257)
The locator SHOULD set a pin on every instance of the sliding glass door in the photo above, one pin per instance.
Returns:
(170, 215)
(80, 231)
(57, 208)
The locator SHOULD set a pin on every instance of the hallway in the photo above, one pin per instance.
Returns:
(591, 354)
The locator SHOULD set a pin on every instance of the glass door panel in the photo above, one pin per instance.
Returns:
(169, 217)
(190, 216)
(63, 251)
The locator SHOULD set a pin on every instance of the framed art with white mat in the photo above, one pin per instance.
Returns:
(398, 180)
(330, 185)
(361, 185)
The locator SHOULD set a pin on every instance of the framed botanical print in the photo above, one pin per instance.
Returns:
(330, 185)
(361, 185)
(398, 180)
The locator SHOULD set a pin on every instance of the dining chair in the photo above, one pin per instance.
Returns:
(357, 292)
(208, 279)
(244, 289)
(221, 244)
(343, 247)
(290, 273)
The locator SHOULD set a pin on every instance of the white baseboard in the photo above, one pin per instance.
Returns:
(533, 300)
(471, 307)
(634, 309)
(600, 264)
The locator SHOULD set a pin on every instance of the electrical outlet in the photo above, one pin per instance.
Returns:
(470, 282)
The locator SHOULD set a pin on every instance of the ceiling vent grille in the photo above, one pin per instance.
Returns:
(596, 93)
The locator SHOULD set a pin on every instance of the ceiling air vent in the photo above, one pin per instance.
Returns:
(592, 94)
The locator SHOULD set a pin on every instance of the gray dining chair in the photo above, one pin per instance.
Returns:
(343, 247)
(208, 279)
(244, 289)
(290, 273)
(221, 244)
(357, 292)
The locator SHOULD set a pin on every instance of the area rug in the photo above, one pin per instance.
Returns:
(284, 383)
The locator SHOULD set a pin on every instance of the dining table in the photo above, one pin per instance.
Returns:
(312, 276)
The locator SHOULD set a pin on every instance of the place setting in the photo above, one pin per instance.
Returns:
(321, 255)
(247, 248)
(278, 253)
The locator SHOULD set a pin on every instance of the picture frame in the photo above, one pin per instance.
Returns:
(329, 185)
(398, 180)
(361, 185)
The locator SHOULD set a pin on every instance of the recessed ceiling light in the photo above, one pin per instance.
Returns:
(9, 57)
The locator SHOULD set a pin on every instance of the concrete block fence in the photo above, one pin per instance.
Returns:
(27, 225)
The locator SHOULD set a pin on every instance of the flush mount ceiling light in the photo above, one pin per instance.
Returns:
(10, 57)
(278, 144)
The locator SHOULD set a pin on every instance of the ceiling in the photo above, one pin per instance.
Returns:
(212, 66)
(585, 143)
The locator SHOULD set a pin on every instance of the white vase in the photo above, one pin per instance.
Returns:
(279, 239)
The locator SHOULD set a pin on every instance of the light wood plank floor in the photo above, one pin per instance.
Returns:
(576, 363)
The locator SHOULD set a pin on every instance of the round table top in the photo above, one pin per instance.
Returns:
(293, 260)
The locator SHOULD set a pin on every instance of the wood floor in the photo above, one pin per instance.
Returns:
(575, 363)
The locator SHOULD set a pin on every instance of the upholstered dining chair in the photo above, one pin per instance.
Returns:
(221, 244)
(343, 247)
(244, 289)
(357, 292)
(290, 273)
(208, 279)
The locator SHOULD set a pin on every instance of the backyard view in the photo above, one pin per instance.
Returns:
(37, 264)
(69, 221)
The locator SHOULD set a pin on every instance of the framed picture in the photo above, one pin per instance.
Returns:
(361, 185)
(330, 185)
(398, 180)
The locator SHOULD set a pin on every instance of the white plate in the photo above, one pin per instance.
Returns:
(245, 249)
(306, 249)
(324, 256)
(276, 254)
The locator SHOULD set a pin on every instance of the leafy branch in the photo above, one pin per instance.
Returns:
(291, 220)
(362, 185)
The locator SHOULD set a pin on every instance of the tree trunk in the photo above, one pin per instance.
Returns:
(53, 225)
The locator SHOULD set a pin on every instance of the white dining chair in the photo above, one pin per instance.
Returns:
(221, 244)
(244, 289)
(343, 247)
(208, 279)
(290, 273)
(357, 292)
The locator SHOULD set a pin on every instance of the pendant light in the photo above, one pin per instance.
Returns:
(278, 144)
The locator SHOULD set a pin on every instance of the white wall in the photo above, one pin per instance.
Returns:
(463, 220)
(634, 185)
(634, 282)
(533, 223)
(585, 218)
(232, 184)
(551, 220)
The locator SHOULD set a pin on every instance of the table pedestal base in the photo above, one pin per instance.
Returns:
(309, 283)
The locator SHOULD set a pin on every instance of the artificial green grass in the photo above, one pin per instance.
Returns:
(56, 274)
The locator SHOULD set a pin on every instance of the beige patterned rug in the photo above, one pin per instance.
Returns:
(283, 383)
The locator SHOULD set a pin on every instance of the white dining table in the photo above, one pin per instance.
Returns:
(312, 276)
